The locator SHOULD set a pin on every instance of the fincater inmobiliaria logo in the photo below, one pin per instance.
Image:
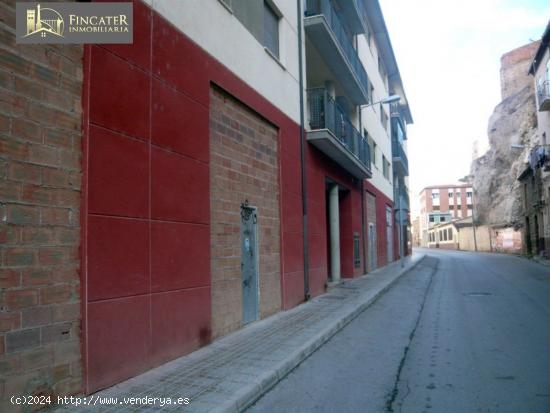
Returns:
(53, 22)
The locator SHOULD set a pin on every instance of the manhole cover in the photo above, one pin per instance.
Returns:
(477, 294)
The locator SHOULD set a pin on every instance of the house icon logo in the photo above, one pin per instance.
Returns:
(43, 22)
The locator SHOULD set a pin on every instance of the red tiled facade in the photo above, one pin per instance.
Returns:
(118, 251)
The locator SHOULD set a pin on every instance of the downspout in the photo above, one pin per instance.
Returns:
(307, 294)
(363, 223)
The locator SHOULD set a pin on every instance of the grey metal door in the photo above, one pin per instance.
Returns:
(372, 247)
(389, 233)
(249, 263)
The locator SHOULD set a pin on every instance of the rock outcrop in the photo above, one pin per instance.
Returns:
(512, 132)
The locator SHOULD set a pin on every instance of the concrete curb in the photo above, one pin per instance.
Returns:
(245, 397)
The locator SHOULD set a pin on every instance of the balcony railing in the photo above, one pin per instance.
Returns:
(540, 156)
(543, 95)
(324, 113)
(402, 200)
(400, 157)
(324, 8)
(355, 14)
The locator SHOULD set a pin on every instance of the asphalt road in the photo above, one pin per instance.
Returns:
(462, 332)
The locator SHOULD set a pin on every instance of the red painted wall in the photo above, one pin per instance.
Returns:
(145, 286)
(381, 233)
(145, 213)
(319, 168)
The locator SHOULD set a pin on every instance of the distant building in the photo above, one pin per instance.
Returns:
(441, 204)
(536, 176)
(415, 232)
(443, 235)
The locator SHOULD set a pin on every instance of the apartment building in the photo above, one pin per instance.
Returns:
(441, 204)
(211, 175)
(536, 176)
(444, 235)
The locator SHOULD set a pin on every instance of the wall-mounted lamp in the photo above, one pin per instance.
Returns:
(389, 99)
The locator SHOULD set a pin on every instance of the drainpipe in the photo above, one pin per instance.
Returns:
(363, 223)
(334, 222)
(307, 294)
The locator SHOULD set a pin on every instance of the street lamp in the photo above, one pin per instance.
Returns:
(389, 99)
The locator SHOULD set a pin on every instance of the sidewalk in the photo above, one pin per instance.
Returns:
(233, 372)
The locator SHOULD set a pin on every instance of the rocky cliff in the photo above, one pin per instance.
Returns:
(513, 123)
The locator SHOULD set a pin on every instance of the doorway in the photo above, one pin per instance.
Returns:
(249, 263)
(389, 234)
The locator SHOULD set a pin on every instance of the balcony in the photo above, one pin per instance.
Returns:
(354, 13)
(328, 35)
(332, 133)
(539, 157)
(400, 160)
(543, 95)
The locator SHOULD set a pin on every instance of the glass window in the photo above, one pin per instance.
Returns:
(385, 170)
(261, 20)
(383, 118)
(271, 30)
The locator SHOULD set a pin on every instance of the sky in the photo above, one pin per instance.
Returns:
(448, 53)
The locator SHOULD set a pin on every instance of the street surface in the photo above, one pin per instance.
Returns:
(462, 332)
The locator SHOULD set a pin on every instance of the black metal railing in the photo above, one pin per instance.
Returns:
(405, 199)
(398, 152)
(543, 93)
(324, 113)
(325, 8)
(539, 156)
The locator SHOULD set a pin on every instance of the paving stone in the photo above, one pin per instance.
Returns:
(236, 370)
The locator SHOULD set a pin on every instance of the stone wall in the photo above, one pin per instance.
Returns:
(40, 176)
(514, 66)
(513, 122)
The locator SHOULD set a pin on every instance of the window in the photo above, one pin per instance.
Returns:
(383, 118)
(432, 218)
(371, 92)
(451, 195)
(435, 195)
(385, 168)
(442, 219)
(271, 30)
(368, 35)
(261, 19)
(450, 231)
(381, 68)
(435, 207)
(356, 253)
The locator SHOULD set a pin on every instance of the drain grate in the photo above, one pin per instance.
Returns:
(477, 294)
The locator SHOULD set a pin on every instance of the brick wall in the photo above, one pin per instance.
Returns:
(514, 66)
(244, 165)
(40, 175)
